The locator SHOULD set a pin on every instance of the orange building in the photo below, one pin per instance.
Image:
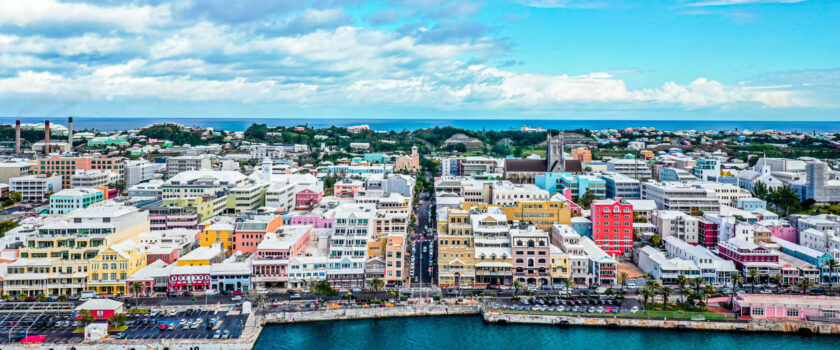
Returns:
(66, 166)
(582, 154)
(249, 233)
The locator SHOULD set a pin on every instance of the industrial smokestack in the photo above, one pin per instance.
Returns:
(47, 137)
(17, 137)
(70, 132)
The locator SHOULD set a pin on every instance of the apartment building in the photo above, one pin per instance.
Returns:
(65, 201)
(93, 178)
(67, 166)
(456, 248)
(139, 171)
(348, 245)
(620, 185)
(612, 225)
(713, 269)
(176, 165)
(531, 256)
(634, 168)
(681, 197)
(55, 260)
(33, 188)
(8, 170)
(676, 223)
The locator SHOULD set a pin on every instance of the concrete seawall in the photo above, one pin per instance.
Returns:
(366, 313)
(802, 327)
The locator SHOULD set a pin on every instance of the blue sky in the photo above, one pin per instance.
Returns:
(530, 59)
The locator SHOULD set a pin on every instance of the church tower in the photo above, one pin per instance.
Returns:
(554, 157)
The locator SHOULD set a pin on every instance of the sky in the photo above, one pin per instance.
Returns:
(504, 59)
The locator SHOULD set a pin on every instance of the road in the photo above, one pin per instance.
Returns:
(424, 248)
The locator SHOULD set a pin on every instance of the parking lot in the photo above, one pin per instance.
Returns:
(55, 322)
(580, 305)
(143, 326)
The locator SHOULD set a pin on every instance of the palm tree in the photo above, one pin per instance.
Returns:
(665, 291)
(709, 290)
(681, 281)
(567, 283)
(778, 278)
(698, 282)
(753, 277)
(647, 293)
(831, 264)
(376, 284)
(137, 288)
(804, 283)
(736, 279)
(622, 278)
(517, 285)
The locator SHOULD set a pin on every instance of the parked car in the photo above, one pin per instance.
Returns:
(211, 292)
(295, 296)
(120, 335)
(188, 294)
(236, 298)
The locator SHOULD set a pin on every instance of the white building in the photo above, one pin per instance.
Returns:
(676, 223)
(33, 187)
(713, 269)
(681, 197)
(137, 171)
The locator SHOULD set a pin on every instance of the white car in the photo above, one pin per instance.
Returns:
(236, 298)
(634, 309)
(211, 292)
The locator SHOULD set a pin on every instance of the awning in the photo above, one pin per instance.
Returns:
(33, 339)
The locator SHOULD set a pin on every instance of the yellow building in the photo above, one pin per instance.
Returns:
(559, 265)
(493, 266)
(376, 247)
(543, 215)
(202, 256)
(218, 233)
(108, 271)
(456, 249)
(396, 268)
(55, 260)
(206, 207)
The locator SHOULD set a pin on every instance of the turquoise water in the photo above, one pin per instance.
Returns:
(469, 332)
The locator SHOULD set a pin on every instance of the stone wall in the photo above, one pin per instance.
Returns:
(707, 325)
(365, 313)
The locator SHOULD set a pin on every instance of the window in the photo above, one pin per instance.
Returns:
(758, 312)
(793, 313)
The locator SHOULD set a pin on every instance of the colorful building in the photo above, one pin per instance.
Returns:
(307, 198)
(67, 166)
(250, 232)
(218, 233)
(796, 307)
(65, 201)
(612, 225)
(108, 271)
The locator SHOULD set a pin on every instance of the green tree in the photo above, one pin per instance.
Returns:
(16, 196)
(754, 274)
(86, 317)
(804, 284)
(760, 190)
(665, 291)
(785, 198)
(831, 264)
(622, 279)
(324, 288)
(117, 320)
(6, 226)
(647, 293)
(376, 284)
(655, 240)
(517, 286)
(586, 199)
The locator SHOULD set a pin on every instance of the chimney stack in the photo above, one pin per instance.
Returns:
(17, 137)
(70, 132)
(47, 137)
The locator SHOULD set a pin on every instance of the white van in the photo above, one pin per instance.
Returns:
(88, 294)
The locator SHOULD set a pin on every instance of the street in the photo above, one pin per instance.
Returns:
(424, 248)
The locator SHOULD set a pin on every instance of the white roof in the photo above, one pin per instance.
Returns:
(100, 304)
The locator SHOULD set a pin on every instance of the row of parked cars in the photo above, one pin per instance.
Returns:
(578, 302)
(568, 308)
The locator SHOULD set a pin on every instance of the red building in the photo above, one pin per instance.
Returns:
(100, 309)
(307, 198)
(707, 233)
(189, 279)
(612, 225)
(165, 254)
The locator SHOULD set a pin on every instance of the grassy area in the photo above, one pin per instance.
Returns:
(642, 314)
(822, 209)
(117, 329)
(138, 311)
(79, 330)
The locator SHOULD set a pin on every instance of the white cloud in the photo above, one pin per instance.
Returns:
(132, 18)
(740, 2)
(85, 44)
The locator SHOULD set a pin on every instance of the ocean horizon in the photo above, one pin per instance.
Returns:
(240, 124)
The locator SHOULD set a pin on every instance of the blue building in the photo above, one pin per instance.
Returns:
(750, 204)
(582, 226)
(578, 184)
(376, 158)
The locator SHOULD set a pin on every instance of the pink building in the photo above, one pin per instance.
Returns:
(707, 232)
(307, 198)
(612, 225)
(189, 279)
(799, 307)
(315, 221)
(271, 261)
(781, 229)
(748, 255)
(348, 188)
